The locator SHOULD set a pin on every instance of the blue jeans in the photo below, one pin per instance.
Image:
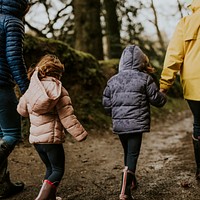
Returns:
(131, 144)
(53, 157)
(195, 108)
(10, 120)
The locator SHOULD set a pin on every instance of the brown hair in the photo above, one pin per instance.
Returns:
(49, 65)
(147, 66)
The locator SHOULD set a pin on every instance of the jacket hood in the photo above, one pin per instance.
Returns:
(15, 8)
(132, 58)
(195, 5)
(43, 95)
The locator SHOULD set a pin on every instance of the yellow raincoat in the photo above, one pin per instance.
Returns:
(183, 54)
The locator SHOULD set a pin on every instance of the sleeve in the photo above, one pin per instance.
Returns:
(14, 52)
(22, 107)
(68, 119)
(156, 98)
(174, 58)
(106, 101)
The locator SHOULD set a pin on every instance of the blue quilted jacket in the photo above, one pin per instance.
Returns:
(12, 65)
(128, 94)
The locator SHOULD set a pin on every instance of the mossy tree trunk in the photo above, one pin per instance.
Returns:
(88, 35)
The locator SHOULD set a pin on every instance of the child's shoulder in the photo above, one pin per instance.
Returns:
(146, 75)
(112, 78)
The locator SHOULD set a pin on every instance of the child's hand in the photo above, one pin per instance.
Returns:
(163, 90)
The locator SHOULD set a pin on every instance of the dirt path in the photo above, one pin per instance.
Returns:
(165, 171)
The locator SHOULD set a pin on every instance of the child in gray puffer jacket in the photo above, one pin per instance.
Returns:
(127, 98)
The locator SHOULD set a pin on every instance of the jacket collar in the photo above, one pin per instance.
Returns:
(195, 5)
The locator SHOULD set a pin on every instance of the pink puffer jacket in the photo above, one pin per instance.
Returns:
(49, 107)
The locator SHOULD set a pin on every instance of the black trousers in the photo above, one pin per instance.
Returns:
(195, 108)
(131, 144)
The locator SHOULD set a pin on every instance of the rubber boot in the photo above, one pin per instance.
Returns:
(5, 150)
(7, 188)
(3, 169)
(196, 144)
(127, 179)
(134, 184)
(47, 191)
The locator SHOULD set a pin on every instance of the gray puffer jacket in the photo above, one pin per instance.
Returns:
(12, 65)
(128, 94)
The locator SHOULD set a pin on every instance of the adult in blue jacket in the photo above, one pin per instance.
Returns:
(12, 72)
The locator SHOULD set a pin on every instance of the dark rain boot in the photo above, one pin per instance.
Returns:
(47, 191)
(196, 144)
(134, 184)
(3, 169)
(7, 188)
(5, 150)
(127, 179)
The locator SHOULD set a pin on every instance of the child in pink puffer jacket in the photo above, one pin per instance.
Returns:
(49, 107)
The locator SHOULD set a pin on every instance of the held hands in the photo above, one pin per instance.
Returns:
(163, 91)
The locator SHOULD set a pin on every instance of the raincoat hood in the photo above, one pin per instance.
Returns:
(15, 8)
(195, 5)
(43, 95)
(132, 58)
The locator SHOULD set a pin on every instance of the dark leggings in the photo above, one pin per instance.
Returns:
(53, 157)
(195, 108)
(131, 144)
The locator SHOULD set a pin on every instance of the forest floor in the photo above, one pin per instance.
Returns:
(166, 167)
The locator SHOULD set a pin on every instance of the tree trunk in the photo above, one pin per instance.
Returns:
(160, 38)
(112, 29)
(180, 8)
(88, 35)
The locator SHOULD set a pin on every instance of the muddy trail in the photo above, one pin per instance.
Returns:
(166, 167)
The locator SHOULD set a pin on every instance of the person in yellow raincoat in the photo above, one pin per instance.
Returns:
(183, 55)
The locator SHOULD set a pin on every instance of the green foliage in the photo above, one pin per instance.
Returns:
(80, 68)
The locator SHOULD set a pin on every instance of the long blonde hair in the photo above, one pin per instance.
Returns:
(49, 65)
